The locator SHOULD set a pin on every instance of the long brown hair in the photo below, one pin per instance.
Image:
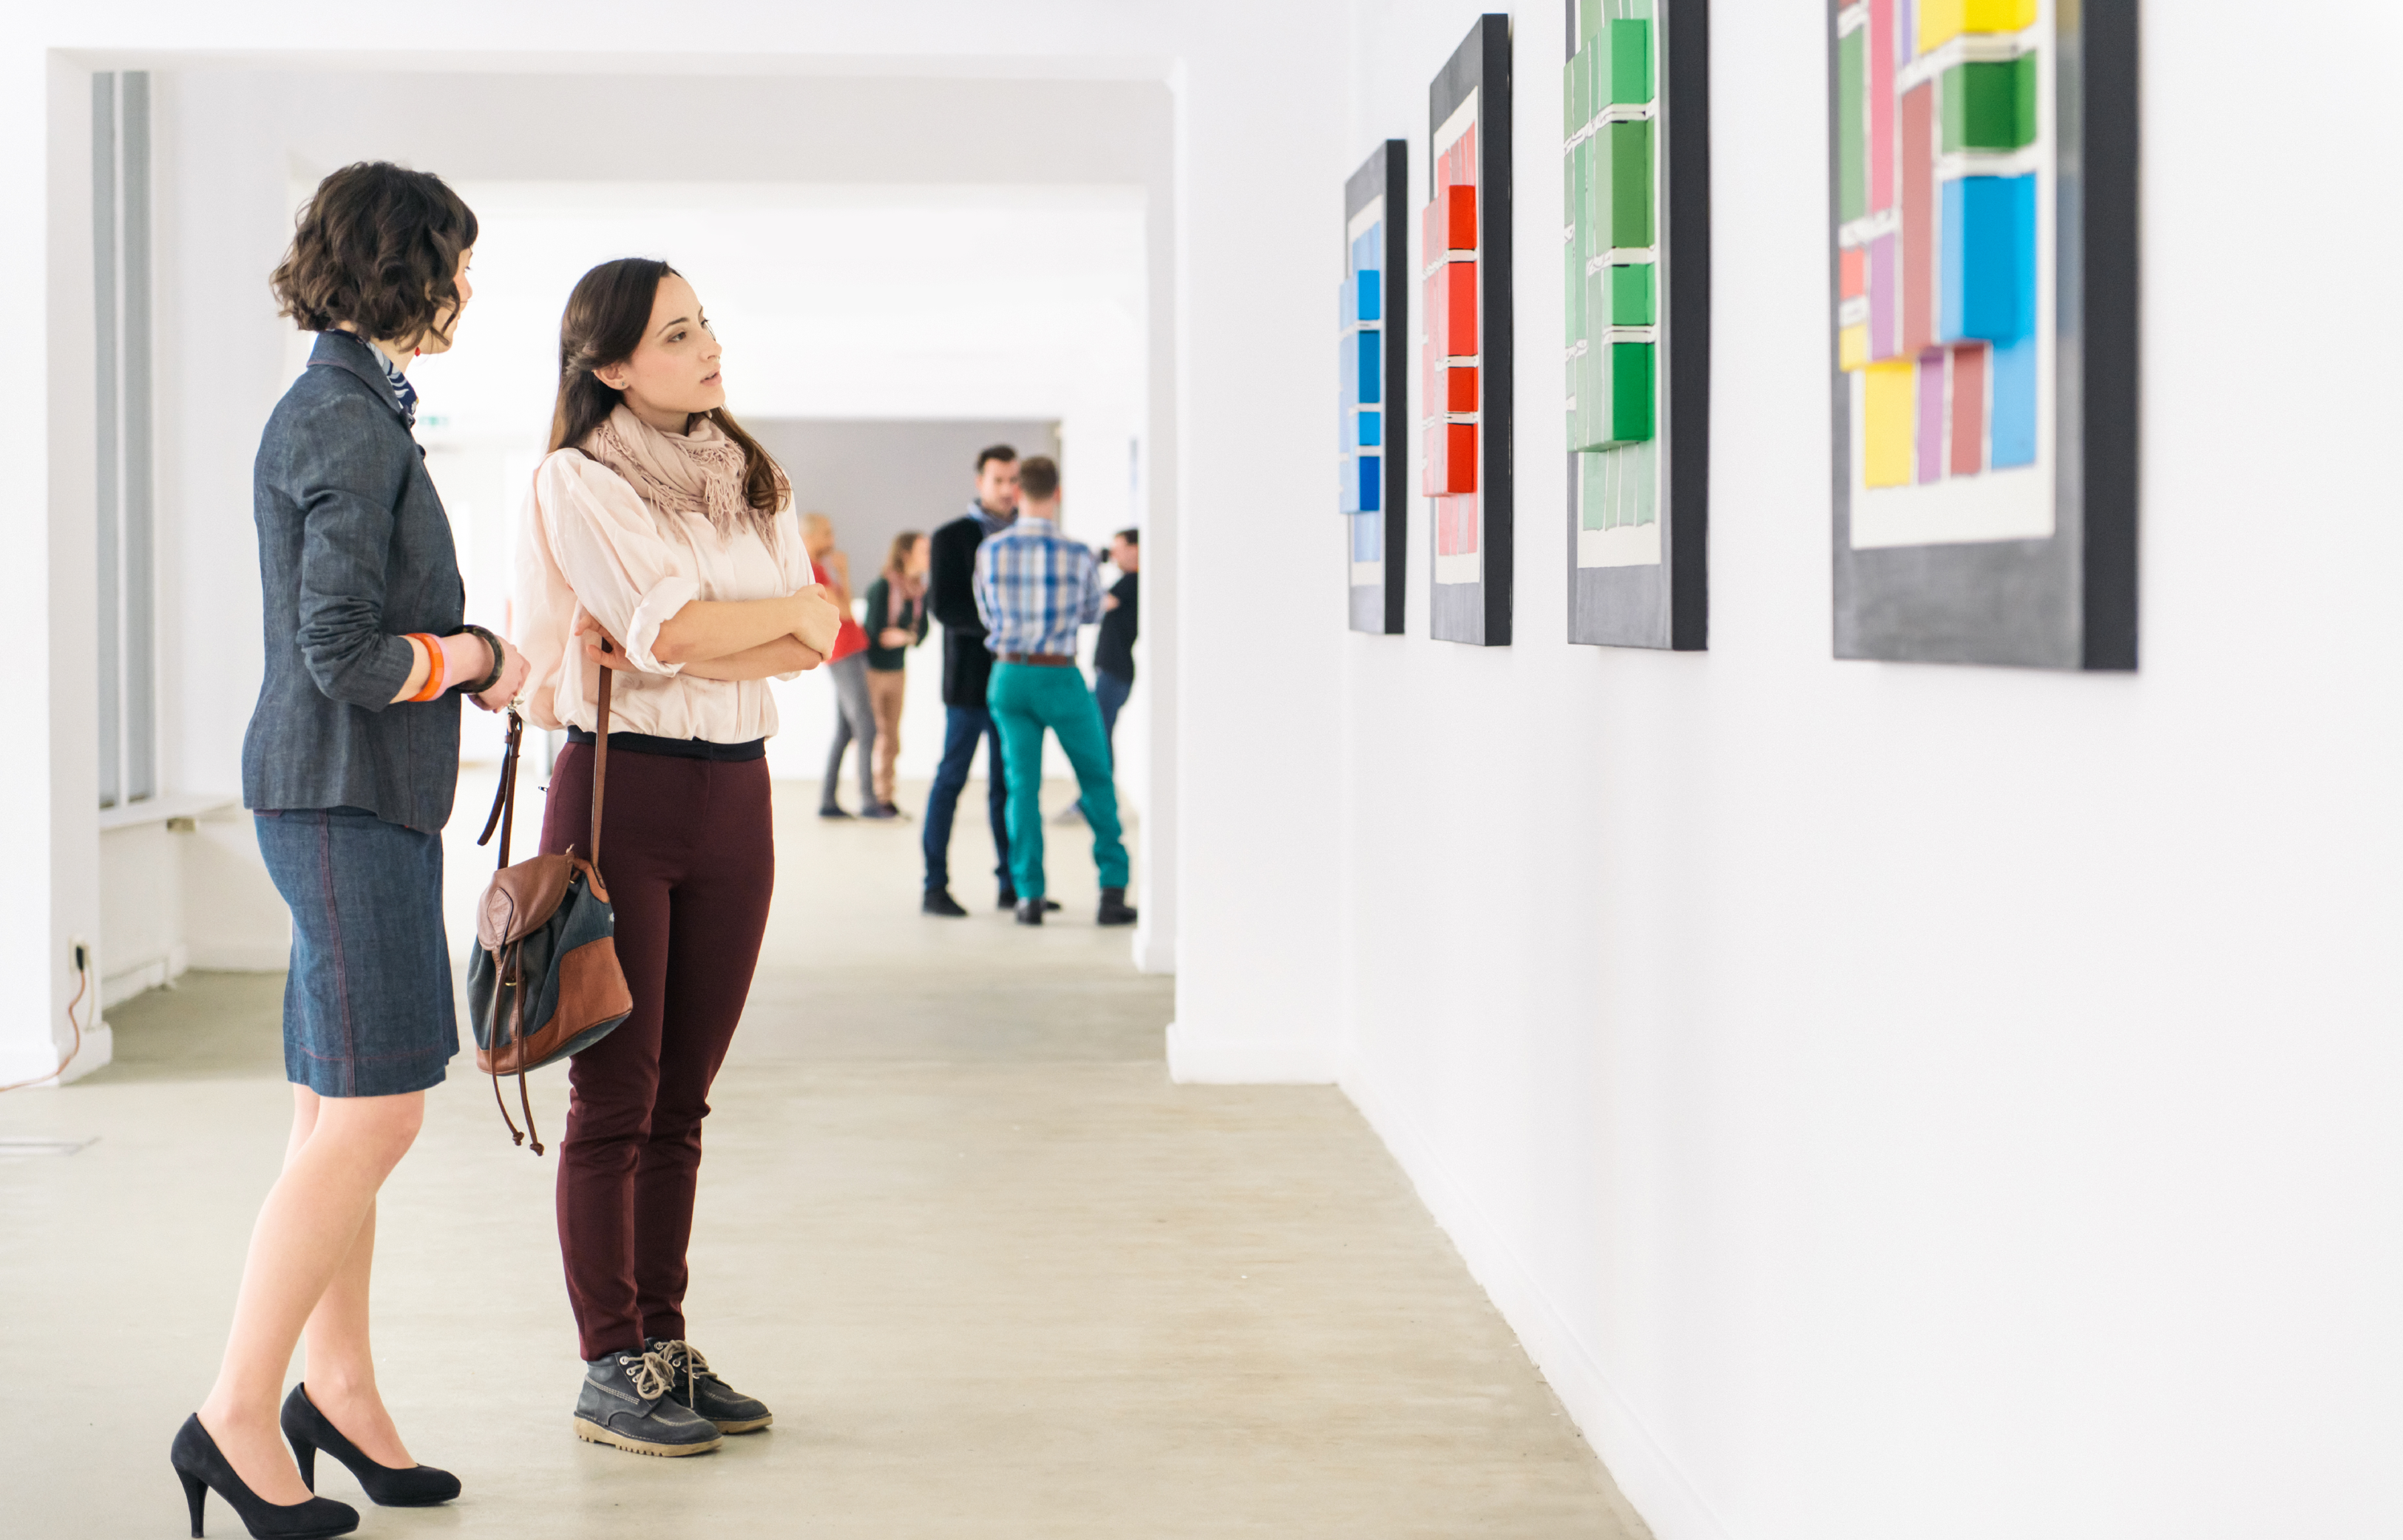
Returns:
(896, 561)
(604, 321)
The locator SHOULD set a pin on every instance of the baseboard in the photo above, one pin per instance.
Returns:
(235, 957)
(1664, 1500)
(1198, 1059)
(99, 1047)
(1155, 948)
(156, 973)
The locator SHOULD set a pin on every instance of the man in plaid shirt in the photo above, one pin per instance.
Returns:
(1035, 587)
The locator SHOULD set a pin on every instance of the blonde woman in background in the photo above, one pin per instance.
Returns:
(852, 719)
(896, 621)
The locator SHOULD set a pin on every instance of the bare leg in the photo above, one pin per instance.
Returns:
(340, 1369)
(315, 1219)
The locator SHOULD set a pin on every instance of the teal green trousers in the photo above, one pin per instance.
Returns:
(1025, 699)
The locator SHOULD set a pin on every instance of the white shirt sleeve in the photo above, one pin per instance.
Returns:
(793, 561)
(626, 572)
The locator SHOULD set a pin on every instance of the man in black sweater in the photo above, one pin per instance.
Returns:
(967, 667)
(1114, 650)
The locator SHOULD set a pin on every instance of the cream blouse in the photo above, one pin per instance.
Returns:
(590, 544)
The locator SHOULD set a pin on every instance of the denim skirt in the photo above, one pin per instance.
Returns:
(366, 1007)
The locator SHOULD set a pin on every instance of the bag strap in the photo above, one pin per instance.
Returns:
(505, 796)
(513, 975)
(505, 968)
(601, 758)
(526, 1101)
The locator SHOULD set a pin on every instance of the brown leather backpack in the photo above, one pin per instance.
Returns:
(544, 981)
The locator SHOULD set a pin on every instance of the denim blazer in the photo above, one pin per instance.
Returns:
(354, 552)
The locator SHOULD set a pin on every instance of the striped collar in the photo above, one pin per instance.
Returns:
(400, 387)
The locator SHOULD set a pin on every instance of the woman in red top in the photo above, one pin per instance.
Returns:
(853, 716)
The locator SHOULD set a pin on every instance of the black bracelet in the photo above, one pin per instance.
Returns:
(500, 661)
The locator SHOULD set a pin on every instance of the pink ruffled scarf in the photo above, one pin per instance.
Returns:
(698, 472)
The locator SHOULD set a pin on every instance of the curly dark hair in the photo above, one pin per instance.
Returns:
(376, 248)
(608, 312)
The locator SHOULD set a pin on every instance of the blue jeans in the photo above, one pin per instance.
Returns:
(1109, 693)
(962, 727)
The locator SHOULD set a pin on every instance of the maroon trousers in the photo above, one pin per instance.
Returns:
(690, 860)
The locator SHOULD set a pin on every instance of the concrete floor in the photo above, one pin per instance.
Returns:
(995, 1275)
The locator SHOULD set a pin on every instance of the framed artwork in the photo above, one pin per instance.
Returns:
(1375, 316)
(1984, 225)
(1465, 340)
(1636, 169)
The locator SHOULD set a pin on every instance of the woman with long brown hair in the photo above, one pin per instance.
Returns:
(661, 529)
(896, 621)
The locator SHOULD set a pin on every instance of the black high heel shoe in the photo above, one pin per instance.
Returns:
(202, 1465)
(309, 1430)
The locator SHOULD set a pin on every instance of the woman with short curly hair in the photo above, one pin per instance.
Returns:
(349, 766)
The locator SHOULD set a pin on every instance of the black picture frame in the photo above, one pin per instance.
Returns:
(1377, 608)
(2067, 599)
(1479, 613)
(1665, 604)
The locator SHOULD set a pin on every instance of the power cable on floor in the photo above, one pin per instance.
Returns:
(83, 982)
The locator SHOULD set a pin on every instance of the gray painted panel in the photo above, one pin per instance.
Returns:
(141, 582)
(1616, 606)
(103, 307)
(876, 479)
(1457, 612)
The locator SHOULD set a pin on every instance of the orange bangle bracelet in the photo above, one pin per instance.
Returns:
(435, 666)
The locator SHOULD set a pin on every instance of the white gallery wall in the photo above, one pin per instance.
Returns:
(1887, 1101)
(1895, 1101)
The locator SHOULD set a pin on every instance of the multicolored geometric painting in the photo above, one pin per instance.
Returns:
(1938, 163)
(1636, 271)
(1465, 347)
(1375, 494)
(1976, 275)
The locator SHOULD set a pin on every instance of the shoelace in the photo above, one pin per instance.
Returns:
(650, 1372)
(695, 1366)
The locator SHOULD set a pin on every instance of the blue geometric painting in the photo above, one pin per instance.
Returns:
(1372, 493)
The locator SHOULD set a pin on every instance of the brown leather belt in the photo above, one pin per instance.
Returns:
(1042, 659)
